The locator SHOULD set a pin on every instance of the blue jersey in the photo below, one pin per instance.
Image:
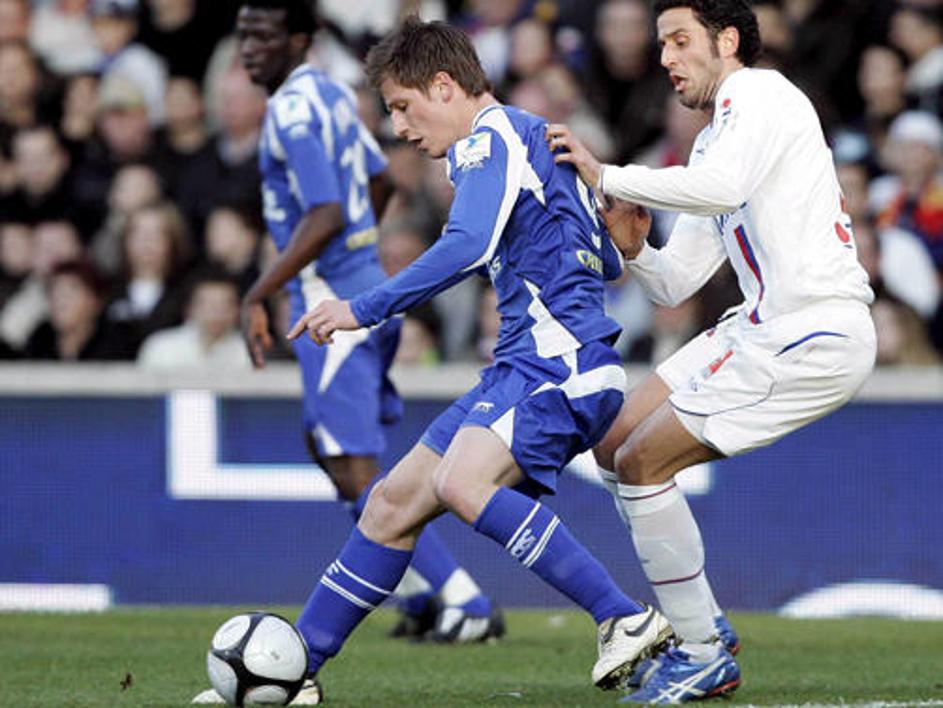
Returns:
(532, 224)
(315, 150)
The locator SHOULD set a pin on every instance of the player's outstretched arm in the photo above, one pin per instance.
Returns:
(325, 318)
(568, 148)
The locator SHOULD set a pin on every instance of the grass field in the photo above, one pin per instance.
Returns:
(83, 660)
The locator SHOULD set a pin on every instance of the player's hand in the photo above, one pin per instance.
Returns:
(323, 320)
(568, 148)
(255, 332)
(628, 225)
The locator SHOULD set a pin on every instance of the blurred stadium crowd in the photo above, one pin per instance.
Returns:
(129, 196)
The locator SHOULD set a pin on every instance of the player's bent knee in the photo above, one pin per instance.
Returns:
(632, 464)
(605, 453)
(383, 519)
(456, 497)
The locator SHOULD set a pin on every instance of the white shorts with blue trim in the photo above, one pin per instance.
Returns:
(740, 386)
(546, 411)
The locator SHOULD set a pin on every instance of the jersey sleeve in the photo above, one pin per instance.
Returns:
(486, 188)
(299, 131)
(672, 274)
(746, 140)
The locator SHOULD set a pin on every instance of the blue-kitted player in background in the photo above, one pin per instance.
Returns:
(556, 383)
(323, 186)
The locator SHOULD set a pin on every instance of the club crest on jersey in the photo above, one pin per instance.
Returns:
(472, 151)
(726, 117)
(291, 109)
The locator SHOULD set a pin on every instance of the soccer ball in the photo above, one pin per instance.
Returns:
(257, 658)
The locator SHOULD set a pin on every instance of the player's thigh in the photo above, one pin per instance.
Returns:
(404, 501)
(476, 463)
(661, 446)
(641, 402)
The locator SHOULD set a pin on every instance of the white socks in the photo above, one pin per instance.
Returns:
(459, 589)
(669, 546)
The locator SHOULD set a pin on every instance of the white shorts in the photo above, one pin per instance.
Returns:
(739, 386)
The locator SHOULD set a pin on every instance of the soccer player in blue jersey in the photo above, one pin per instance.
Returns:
(323, 183)
(555, 385)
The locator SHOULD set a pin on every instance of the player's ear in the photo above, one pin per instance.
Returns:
(299, 43)
(443, 87)
(728, 42)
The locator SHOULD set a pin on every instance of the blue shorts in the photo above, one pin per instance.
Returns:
(348, 397)
(546, 411)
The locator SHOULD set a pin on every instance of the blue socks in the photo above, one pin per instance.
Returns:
(363, 575)
(536, 538)
(433, 561)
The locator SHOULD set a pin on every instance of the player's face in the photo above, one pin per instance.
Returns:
(422, 119)
(691, 57)
(265, 46)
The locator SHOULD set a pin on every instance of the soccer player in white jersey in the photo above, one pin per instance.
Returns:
(760, 191)
(556, 383)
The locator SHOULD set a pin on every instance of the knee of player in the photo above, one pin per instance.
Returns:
(635, 462)
(380, 508)
(447, 490)
(605, 453)
(456, 496)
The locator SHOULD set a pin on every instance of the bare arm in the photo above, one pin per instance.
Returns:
(308, 240)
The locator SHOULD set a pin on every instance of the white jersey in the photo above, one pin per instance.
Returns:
(760, 190)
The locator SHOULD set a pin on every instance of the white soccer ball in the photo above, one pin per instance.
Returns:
(257, 659)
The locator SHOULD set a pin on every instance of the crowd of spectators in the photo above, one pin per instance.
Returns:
(129, 193)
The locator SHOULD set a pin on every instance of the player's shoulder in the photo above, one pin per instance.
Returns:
(497, 131)
(480, 147)
(762, 88)
(294, 102)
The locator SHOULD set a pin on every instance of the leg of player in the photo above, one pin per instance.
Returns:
(375, 557)
(644, 400)
(669, 544)
(474, 481)
(438, 598)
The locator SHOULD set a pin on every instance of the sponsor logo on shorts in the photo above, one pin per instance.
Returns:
(483, 406)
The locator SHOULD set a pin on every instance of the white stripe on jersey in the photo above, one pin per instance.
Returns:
(309, 89)
(274, 144)
(519, 175)
(551, 338)
(314, 289)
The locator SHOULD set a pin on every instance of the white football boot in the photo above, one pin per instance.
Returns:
(310, 694)
(625, 641)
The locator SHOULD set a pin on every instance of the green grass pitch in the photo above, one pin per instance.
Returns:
(155, 657)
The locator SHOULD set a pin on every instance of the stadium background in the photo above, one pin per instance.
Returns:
(135, 480)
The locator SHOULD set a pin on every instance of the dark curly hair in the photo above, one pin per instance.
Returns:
(300, 15)
(717, 15)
